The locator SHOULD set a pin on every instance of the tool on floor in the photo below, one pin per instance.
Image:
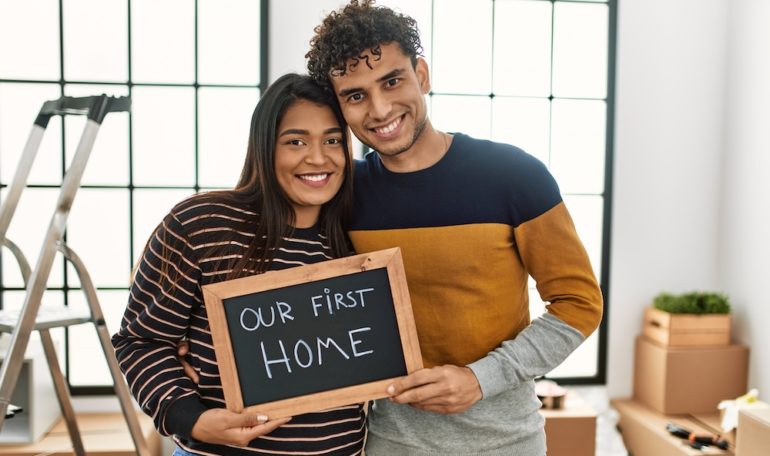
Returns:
(697, 441)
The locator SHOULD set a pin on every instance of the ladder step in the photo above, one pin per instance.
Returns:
(47, 318)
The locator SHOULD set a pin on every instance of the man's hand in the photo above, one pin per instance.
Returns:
(442, 389)
(182, 349)
(224, 427)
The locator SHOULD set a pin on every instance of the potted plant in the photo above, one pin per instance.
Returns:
(689, 319)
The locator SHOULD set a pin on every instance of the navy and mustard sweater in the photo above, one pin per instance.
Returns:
(472, 228)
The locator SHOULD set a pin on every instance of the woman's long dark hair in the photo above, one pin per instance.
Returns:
(258, 185)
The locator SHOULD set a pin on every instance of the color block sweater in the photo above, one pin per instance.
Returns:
(472, 229)
(203, 239)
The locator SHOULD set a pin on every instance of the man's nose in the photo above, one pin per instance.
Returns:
(380, 107)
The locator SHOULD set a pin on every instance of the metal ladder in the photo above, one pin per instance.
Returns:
(31, 318)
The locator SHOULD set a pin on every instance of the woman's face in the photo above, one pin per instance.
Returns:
(309, 158)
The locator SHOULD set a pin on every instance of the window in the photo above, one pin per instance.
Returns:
(537, 74)
(191, 110)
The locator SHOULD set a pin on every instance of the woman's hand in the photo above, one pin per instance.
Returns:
(223, 427)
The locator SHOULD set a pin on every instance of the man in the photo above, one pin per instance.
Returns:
(473, 219)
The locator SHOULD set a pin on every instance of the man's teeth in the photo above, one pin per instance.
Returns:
(388, 128)
(314, 177)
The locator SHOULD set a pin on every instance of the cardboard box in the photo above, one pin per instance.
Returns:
(753, 436)
(688, 380)
(686, 330)
(103, 434)
(571, 430)
(644, 431)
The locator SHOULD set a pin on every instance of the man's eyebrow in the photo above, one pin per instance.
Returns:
(345, 92)
(391, 75)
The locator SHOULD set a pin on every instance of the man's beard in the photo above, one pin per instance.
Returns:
(417, 132)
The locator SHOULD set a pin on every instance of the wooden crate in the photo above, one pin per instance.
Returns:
(686, 330)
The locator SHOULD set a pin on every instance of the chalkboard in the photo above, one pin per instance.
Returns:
(313, 337)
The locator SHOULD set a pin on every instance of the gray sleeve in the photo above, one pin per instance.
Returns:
(537, 350)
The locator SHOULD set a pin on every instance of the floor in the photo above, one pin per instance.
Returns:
(608, 440)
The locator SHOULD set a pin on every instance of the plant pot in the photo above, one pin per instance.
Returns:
(686, 330)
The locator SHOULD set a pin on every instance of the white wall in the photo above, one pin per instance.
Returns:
(745, 253)
(668, 146)
(692, 168)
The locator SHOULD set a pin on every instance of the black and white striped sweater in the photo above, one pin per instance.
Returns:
(201, 240)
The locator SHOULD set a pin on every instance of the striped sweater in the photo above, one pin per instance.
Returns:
(202, 239)
(472, 229)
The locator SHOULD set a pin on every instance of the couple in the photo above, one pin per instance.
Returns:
(473, 219)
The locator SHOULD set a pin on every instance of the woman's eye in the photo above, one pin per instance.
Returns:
(295, 142)
(334, 141)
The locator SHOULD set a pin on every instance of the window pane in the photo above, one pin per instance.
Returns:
(95, 50)
(578, 145)
(523, 122)
(162, 41)
(163, 144)
(536, 305)
(88, 364)
(420, 11)
(14, 300)
(452, 51)
(580, 50)
(97, 230)
(150, 206)
(108, 162)
(228, 42)
(225, 116)
(522, 48)
(27, 230)
(19, 106)
(36, 25)
(465, 114)
(588, 214)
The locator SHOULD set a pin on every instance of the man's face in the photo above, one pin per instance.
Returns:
(382, 99)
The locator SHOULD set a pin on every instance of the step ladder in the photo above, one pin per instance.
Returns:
(32, 315)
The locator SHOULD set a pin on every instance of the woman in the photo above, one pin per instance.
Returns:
(287, 210)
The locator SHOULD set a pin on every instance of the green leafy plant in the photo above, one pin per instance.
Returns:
(696, 302)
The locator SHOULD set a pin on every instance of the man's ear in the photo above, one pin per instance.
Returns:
(423, 75)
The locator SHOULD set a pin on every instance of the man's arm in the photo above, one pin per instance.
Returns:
(553, 254)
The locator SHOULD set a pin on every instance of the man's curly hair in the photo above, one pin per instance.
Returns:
(360, 26)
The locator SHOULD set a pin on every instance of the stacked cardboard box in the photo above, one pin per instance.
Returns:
(644, 430)
(674, 380)
(683, 367)
(570, 430)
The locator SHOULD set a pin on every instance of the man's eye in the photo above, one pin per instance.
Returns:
(356, 97)
(392, 82)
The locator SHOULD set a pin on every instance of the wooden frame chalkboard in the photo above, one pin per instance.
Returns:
(313, 337)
